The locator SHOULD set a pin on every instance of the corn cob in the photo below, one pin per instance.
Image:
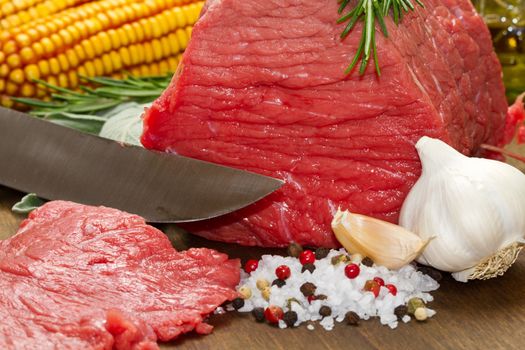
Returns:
(98, 38)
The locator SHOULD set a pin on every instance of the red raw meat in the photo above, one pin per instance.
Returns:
(81, 277)
(261, 87)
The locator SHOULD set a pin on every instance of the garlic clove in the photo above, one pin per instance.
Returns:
(387, 244)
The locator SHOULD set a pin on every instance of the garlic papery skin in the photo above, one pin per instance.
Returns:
(386, 244)
(472, 208)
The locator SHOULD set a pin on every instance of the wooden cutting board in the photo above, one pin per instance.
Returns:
(477, 315)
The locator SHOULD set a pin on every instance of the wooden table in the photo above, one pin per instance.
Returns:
(477, 315)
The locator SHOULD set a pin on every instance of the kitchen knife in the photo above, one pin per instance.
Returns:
(56, 162)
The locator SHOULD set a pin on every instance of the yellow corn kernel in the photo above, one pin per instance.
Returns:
(125, 56)
(28, 90)
(115, 60)
(107, 64)
(17, 76)
(6, 101)
(23, 40)
(182, 37)
(11, 88)
(63, 62)
(72, 57)
(79, 50)
(32, 72)
(157, 49)
(89, 51)
(97, 45)
(2, 85)
(105, 41)
(54, 66)
(43, 67)
(99, 67)
(62, 80)
(4, 70)
(27, 55)
(90, 69)
(38, 49)
(115, 38)
(14, 61)
(52, 80)
(148, 52)
(66, 37)
(10, 47)
(73, 79)
(48, 45)
(82, 71)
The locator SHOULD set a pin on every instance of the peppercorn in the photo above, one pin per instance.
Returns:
(237, 303)
(392, 289)
(262, 283)
(420, 314)
(401, 311)
(290, 317)
(307, 257)
(325, 311)
(283, 272)
(258, 313)
(321, 253)
(321, 297)
(352, 318)
(367, 262)
(379, 280)
(278, 282)
(308, 267)
(245, 292)
(414, 304)
(352, 271)
(266, 292)
(251, 265)
(432, 273)
(341, 258)
(308, 289)
(372, 286)
(294, 250)
(273, 314)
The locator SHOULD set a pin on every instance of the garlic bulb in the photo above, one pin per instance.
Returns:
(386, 244)
(472, 208)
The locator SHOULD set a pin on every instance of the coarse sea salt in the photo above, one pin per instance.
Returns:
(342, 294)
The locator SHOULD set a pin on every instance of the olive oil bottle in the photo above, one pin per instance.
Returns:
(506, 21)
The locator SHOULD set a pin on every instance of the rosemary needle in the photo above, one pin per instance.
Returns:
(370, 11)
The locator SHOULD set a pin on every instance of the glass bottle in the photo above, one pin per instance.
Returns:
(506, 21)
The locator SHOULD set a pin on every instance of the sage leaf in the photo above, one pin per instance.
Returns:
(27, 204)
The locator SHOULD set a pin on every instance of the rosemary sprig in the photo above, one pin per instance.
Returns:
(105, 94)
(370, 11)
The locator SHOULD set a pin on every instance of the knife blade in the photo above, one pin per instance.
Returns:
(56, 162)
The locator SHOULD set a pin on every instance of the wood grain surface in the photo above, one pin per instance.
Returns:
(477, 315)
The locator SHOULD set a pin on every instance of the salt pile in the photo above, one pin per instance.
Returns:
(335, 290)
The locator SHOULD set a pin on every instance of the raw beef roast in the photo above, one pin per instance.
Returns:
(80, 277)
(261, 87)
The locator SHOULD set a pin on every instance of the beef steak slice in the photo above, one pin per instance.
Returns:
(261, 87)
(81, 277)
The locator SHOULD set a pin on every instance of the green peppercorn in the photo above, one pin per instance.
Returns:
(325, 311)
(414, 304)
(294, 250)
(308, 267)
(401, 311)
(278, 282)
(308, 289)
(290, 317)
(367, 262)
(258, 313)
(352, 318)
(321, 253)
(237, 303)
(341, 258)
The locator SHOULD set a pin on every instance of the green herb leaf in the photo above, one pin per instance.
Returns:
(369, 11)
(124, 123)
(27, 204)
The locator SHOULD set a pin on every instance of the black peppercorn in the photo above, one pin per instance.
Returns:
(308, 289)
(294, 250)
(290, 317)
(321, 253)
(278, 282)
(237, 303)
(352, 318)
(401, 311)
(321, 297)
(258, 313)
(325, 311)
(367, 262)
(308, 267)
